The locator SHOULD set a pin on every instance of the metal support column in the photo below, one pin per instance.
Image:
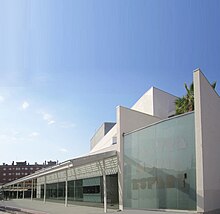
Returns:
(23, 189)
(105, 187)
(66, 190)
(13, 191)
(32, 185)
(45, 186)
(120, 158)
(17, 190)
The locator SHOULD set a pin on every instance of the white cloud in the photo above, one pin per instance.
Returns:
(51, 122)
(25, 105)
(48, 118)
(34, 134)
(2, 99)
(63, 150)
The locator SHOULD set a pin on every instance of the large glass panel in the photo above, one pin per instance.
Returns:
(79, 190)
(112, 189)
(55, 191)
(61, 191)
(41, 191)
(51, 191)
(159, 166)
(71, 190)
(91, 189)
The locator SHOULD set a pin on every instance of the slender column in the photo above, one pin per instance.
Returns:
(32, 185)
(13, 192)
(105, 187)
(45, 189)
(66, 190)
(74, 183)
(74, 189)
(120, 157)
(57, 189)
(17, 190)
(23, 189)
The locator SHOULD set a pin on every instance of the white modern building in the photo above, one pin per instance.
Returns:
(148, 159)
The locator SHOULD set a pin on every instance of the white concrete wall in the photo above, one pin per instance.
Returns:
(145, 103)
(100, 133)
(128, 120)
(157, 103)
(106, 141)
(154, 102)
(207, 132)
(97, 136)
(163, 104)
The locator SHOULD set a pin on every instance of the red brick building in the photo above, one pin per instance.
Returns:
(20, 169)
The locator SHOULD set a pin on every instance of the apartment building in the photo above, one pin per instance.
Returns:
(16, 170)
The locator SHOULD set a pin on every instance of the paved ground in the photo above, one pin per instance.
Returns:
(38, 207)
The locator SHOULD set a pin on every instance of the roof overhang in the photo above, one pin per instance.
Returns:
(72, 163)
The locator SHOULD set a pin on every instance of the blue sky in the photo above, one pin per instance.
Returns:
(66, 65)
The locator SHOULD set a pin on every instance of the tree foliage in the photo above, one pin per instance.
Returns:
(186, 103)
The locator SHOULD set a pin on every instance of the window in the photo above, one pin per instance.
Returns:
(114, 140)
(4, 168)
(18, 173)
(17, 168)
(4, 174)
(91, 189)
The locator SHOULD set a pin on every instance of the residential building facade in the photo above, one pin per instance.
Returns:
(14, 171)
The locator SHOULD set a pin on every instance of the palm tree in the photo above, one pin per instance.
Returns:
(186, 103)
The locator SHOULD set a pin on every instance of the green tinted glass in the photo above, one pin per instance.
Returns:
(159, 166)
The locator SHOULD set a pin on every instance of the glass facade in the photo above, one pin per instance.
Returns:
(55, 191)
(92, 189)
(83, 190)
(160, 167)
(75, 190)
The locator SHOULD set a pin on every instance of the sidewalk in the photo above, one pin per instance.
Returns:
(38, 207)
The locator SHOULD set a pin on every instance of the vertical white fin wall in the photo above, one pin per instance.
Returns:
(207, 132)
